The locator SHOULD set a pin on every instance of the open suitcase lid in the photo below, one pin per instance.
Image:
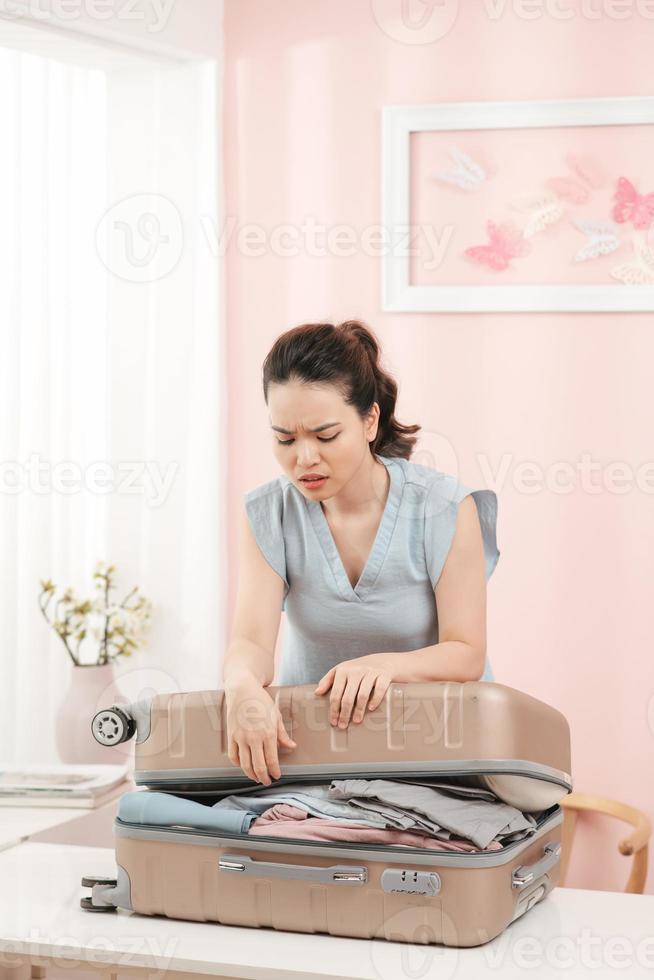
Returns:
(510, 740)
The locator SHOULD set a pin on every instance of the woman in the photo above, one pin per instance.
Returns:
(359, 546)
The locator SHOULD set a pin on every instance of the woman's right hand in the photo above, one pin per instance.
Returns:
(254, 726)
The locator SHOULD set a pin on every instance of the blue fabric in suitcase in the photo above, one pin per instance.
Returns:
(166, 810)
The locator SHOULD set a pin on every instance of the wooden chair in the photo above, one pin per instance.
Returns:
(636, 844)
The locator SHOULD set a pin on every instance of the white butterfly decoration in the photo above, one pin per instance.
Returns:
(603, 235)
(543, 210)
(639, 272)
(468, 175)
(576, 189)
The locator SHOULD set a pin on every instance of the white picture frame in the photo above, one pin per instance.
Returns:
(399, 122)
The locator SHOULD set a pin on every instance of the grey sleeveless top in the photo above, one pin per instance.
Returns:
(392, 608)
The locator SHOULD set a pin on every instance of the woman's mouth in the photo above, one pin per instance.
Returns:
(313, 484)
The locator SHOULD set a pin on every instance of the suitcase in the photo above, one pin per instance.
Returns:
(480, 733)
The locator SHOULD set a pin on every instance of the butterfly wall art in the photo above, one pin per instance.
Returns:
(639, 271)
(541, 209)
(576, 187)
(467, 174)
(506, 242)
(520, 205)
(632, 206)
(602, 238)
(546, 208)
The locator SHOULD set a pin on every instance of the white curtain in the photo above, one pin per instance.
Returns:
(111, 393)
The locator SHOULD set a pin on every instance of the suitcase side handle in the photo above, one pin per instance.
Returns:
(335, 874)
(527, 873)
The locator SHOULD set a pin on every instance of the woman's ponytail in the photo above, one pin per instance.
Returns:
(393, 438)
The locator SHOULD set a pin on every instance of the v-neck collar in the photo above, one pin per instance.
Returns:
(379, 546)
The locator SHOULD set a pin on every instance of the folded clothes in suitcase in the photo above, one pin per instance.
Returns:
(194, 844)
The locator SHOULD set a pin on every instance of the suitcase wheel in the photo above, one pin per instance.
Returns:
(91, 880)
(112, 726)
(87, 903)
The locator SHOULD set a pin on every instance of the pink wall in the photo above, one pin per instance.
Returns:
(570, 603)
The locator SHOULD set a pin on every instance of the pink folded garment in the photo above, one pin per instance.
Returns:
(286, 820)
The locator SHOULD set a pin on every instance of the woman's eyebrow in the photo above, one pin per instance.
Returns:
(320, 428)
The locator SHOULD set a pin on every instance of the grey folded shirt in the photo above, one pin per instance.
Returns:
(467, 792)
(479, 820)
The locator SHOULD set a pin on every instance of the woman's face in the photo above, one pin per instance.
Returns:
(336, 451)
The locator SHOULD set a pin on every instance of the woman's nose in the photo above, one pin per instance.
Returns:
(307, 456)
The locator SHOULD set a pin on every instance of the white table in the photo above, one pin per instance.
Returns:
(572, 934)
(19, 823)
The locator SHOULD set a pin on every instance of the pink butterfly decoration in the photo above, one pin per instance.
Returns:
(632, 206)
(506, 243)
(576, 189)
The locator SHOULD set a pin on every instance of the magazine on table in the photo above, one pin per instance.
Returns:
(63, 784)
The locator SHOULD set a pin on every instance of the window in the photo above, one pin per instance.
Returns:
(110, 361)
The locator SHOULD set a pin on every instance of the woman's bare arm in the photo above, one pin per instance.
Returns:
(461, 589)
(251, 650)
(460, 595)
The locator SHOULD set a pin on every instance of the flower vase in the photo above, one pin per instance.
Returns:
(92, 687)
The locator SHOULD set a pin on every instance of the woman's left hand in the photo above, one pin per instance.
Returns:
(356, 684)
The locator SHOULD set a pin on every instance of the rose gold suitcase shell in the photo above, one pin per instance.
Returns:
(516, 743)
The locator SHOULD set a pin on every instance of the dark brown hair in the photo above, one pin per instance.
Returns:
(346, 356)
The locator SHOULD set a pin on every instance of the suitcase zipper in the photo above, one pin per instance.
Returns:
(227, 786)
